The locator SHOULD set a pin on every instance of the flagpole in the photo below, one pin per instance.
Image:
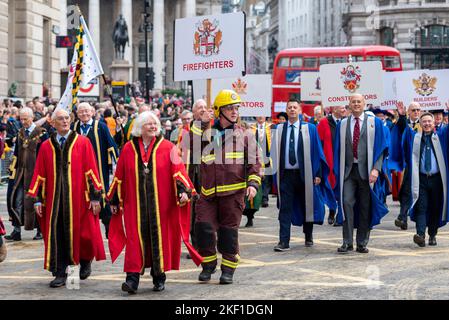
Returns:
(108, 88)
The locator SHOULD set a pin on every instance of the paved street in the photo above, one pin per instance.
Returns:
(395, 268)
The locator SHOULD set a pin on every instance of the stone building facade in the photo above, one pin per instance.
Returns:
(28, 55)
(419, 29)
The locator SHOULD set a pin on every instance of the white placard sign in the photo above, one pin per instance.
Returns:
(310, 86)
(280, 106)
(254, 90)
(209, 47)
(427, 87)
(92, 89)
(340, 80)
(390, 92)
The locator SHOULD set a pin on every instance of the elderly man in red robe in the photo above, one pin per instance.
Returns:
(151, 191)
(67, 189)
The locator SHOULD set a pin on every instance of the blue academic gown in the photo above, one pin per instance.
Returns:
(407, 154)
(104, 146)
(322, 194)
(378, 207)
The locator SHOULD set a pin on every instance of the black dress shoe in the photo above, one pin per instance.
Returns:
(249, 223)
(206, 274)
(331, 220)
(281, 247)
(38, 236)
(58, 282)
(345, 248)
(432, 241)
(159, 286)
(362, 249)
(419, 240)
(336, 224)
(14, 236)
(132, 283)
(85, 270)
(309, 242)
(401, 224)
(265, 204)
(226, 277)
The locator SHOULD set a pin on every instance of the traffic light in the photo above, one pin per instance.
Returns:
(64, 42)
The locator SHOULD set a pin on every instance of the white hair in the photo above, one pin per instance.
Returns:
(86, 105)
(186, 113)
(197, 102)
(414, 104)
(58, 110)
(141, 120)
(26, 111)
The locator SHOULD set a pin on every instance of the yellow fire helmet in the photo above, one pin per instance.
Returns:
(225, 98)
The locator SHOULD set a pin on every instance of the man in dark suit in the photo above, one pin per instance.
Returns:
(360, 150)
(302, 171)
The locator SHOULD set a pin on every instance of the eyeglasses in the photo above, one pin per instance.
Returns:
(63, 118)
(232, 107)
(415, 110)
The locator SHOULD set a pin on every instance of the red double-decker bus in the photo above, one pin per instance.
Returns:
(290, 63)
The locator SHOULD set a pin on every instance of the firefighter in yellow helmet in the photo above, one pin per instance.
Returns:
(230, 170)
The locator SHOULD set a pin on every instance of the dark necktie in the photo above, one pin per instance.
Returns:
(356, 138)
(428, 155)
(85, 128)
(27, 133)
(62, 142)
(291, 147)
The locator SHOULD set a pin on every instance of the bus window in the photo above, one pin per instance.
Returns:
(296, 62)
(284, 62)
(392, 62)
(310, 63)
(357, 58)
(325, 60)
(340, 59)
(295, 96)
(373, 58)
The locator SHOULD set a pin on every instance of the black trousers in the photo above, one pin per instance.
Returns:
(404, 196)
(291, 187)
(428, 206)
(356, 190)
(266, 187)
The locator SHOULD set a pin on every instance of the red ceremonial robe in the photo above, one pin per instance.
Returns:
(71, 176)
(153, 219)
(324, 131)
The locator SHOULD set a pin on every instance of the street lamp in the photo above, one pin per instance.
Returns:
(147, 5)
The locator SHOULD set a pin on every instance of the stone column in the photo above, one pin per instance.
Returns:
(190, 8)
(94, 23)
(158, 43)
(63, 32)
(127, 12)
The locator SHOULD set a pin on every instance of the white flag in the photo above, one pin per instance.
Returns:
(90, 68)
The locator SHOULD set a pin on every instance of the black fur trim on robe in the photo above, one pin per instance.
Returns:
(148, 215)
(62, 197)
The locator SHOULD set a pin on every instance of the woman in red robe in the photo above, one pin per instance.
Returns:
(150, 192)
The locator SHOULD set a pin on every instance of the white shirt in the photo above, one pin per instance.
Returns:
(287, 142)
(261, 131)
(361, 119)
(335, 119)
(90, 122)
(58, 137)
(31, 128)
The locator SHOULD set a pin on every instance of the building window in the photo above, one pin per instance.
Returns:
(387, 37)
(435, 36)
